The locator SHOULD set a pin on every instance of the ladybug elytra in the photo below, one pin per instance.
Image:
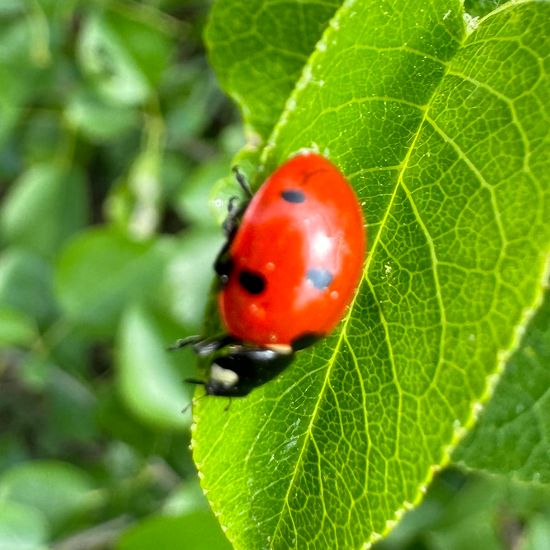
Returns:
(293, 258)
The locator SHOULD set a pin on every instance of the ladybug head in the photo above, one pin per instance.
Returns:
(238, 372)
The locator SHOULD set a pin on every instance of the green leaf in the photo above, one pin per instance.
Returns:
(15, 328)
(149, 383)
(24, 53)
(124, 58)
(12, 94)
(188, 275)
(109, 66)
(22, 527)
(259, 49)
(26, 284)
(99, 120)
(43, 208)
(187, 498)
(101, 271)
(44, 140)
(15, 39)
(198, 530)
(513, 433)
(194, 101)
(127, 430)
(35, 372)
(69, 490)
(9, 7)
(538, 535)
(473, 511)
(66, 394)
(444, 136)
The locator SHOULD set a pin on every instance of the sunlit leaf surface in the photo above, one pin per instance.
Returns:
(442, 128)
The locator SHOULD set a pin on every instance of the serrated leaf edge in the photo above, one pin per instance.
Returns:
(503, 357)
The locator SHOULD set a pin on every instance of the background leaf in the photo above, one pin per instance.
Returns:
(51, 196)
(259, 49)
(512, 435)
(124, 57)
(99, 276)
(198, 531)
(26, 284)
(437, 131)
(99, 120)
(101, 271)
(15, 328)
(188, 277)
(69, 490)
(475, 511)
(148, 380)
(22, 527)
(112, 132)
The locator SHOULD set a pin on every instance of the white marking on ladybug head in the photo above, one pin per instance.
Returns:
(225, 378)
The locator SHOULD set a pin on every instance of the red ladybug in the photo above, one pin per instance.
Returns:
(293, 258)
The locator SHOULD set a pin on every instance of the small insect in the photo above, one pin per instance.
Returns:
(290, 266)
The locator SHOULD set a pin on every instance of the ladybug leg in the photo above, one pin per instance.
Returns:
(241, 179)
(232, 221)
(208, 346)
(191, 403)
(184, 342)
(223, 264)
(204, 346)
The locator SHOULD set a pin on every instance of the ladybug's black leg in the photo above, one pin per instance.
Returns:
(224, 264)
(210, 345)
(205, 346)
(197, 383)
(184, 342)
(232, 221)
(241, 179)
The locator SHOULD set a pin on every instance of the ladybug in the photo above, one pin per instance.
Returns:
(293, 258)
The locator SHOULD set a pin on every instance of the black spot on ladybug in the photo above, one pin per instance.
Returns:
(254, 283)
(305, 340)
(291, 195)
(319, 278)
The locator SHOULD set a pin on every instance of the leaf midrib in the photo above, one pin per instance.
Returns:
(307, 438)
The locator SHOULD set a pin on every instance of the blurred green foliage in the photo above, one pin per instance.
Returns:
(113, 133)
